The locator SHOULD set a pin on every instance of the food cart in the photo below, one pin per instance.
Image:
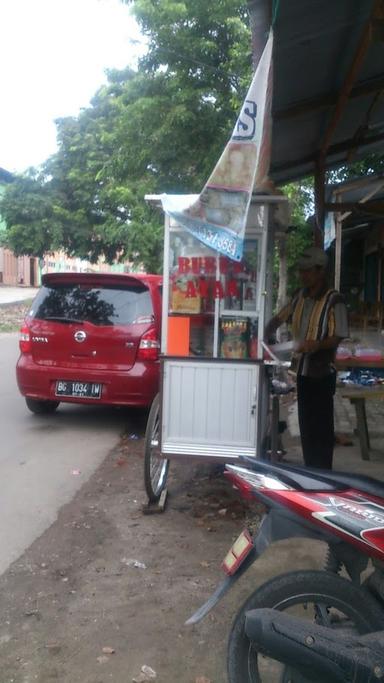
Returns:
(214, 398)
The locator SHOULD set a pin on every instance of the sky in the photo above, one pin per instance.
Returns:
(53, 58)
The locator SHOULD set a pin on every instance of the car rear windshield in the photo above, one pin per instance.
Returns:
(97, 305)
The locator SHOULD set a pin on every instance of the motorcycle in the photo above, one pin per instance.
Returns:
(344, 510)
(317, 653)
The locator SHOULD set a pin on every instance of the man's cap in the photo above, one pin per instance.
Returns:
(311, 257)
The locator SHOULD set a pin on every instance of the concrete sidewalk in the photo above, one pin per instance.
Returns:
(10, 295)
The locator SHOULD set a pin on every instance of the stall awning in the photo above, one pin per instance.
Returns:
(328, 83)
(357, 200)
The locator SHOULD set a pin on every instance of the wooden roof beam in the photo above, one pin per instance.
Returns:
(346, 186)
(374, 189)
(338, 111)
(328, 100)
(338, 148)
(371, 208)
(350, 79)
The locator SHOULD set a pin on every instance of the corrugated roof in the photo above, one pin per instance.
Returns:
(368, 196)
(315, 45)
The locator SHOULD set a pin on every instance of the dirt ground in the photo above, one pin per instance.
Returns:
(12, 315)
(106, 590)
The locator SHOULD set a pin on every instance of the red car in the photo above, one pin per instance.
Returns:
(91, 338)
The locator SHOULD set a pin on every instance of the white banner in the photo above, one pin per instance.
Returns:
(329, 229)
(218, 216)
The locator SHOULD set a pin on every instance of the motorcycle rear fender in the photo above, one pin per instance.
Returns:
(277, 525)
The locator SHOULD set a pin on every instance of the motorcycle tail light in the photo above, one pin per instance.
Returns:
(238, 552)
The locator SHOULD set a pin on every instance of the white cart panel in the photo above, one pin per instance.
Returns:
(209, 408)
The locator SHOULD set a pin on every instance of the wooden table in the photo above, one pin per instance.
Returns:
(358, 395)
(353, 362)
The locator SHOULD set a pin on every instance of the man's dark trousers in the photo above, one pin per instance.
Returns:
(316, 421)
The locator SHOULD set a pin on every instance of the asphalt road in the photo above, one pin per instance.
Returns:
(44, 460)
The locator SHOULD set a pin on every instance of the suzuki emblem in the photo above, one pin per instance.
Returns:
(80, 336)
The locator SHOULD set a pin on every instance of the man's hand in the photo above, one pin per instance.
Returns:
(308, 346)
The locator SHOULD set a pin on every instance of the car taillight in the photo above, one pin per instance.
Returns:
(25, 340)
(149, 346)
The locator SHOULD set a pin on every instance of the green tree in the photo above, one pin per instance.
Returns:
(30, 211)
(372, 164)
(300, 236)
(204, 45)
(160, 129)
(290, 245)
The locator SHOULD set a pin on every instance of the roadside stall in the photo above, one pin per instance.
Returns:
(214, 399)
(214, 394)
(217, 275)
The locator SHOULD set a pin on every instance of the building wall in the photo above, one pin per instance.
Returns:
(59, 262)
(18, 270)
(27, 270)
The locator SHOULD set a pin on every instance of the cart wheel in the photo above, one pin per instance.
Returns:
(155, 466)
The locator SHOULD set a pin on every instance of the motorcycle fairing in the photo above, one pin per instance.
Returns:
(327, 515)
(350, 515)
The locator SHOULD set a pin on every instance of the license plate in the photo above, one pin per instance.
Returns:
(78, 389)
(237, 554)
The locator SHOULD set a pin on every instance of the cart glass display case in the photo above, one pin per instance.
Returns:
(213, 302)
(213, 312)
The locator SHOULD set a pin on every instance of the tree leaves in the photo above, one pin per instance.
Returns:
(158, 129)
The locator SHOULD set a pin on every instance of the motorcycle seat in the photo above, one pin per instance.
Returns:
(360, 482)
(311, 479)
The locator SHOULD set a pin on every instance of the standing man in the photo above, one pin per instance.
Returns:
(319, 320)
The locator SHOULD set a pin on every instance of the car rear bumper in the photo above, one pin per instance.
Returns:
(135, 387)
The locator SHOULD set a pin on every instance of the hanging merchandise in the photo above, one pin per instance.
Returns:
(218, 215)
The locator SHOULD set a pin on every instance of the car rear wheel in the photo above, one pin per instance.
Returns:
(41, 407)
